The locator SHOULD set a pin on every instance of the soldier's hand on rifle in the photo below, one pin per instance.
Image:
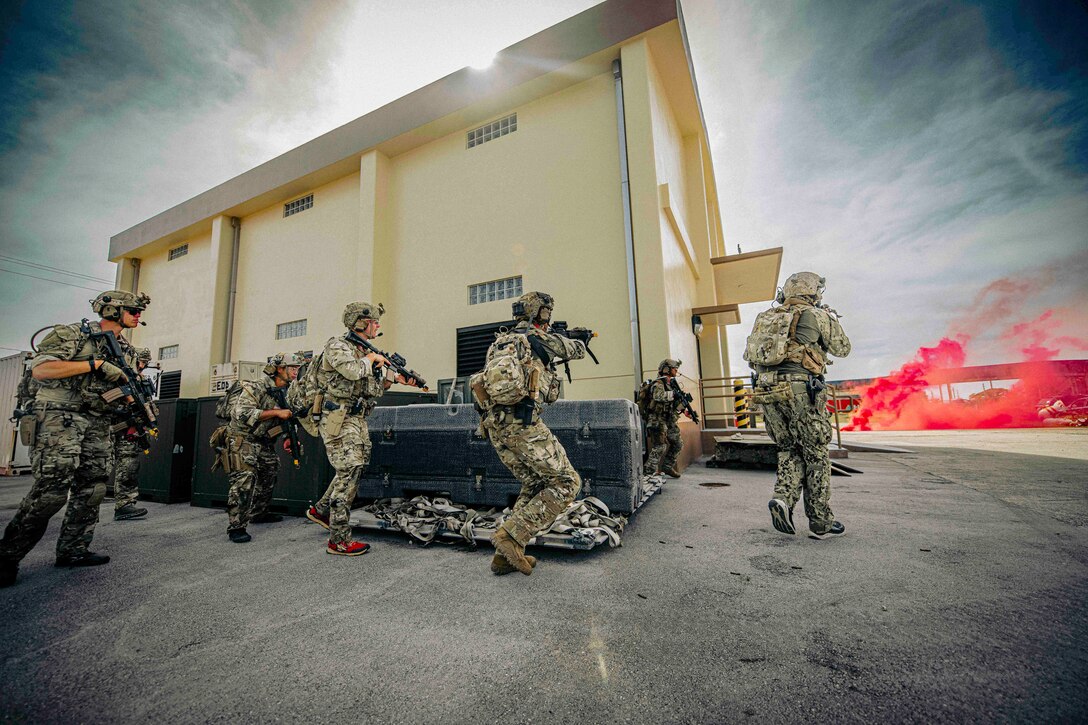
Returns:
(582, 333)
(283, 413)
(287, 445)
(405, 381)
(376, 359)
(110, 372)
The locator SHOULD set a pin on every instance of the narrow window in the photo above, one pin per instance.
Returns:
(295, 328)
(177, 252)
(168, 353)
(294, 207)
(493, 130)
(500, 289)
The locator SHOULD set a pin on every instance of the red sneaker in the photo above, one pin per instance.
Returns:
(318, 518)
(348, 548)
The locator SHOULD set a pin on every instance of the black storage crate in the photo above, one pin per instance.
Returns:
(165, 471)
(295, 487)
(433, 450)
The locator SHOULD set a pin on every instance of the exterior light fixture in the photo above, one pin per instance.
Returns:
(697, 325)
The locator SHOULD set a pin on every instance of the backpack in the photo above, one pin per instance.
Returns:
(644, 398)
(302, 392)
(222, 408)
(505, 376)
(768, 345)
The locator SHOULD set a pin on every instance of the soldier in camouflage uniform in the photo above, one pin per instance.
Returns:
(71, 455)
(350, 380)
(549, 482)
(662, 431)
(126, 464)
(255, 416)
(799, 334)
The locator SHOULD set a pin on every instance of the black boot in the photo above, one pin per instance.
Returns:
(87, 558)
(129, 511)
(239, 536)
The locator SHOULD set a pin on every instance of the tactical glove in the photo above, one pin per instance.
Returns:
(111, 372)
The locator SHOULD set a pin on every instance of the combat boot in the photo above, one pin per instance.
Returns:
(781, 516)
(239, 536)
(671, 471)
(87, 558)
(8, 571)
(266, 518)
(317, 517)
(512, 551)
(128, 512)
(500, 566)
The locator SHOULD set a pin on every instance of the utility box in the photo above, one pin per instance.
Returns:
(224, 374)
(166, 472)
(14, 457)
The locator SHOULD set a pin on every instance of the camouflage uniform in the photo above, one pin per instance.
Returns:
(350, 389)
(537, 459)
(73, 453)
(796, 419)
(662, 431)
(126, 470)
(252, 443)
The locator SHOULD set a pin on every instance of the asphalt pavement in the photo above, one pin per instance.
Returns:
(958, 594)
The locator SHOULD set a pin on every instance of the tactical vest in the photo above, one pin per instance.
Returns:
(773, 340)
(68, 342)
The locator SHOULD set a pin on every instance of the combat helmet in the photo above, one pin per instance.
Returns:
(143, 354)
(803, 284)
(108, 305)
(668, 363)
(361, 310)
(528, 306)
(283, 360)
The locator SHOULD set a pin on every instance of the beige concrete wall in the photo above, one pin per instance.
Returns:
(298, 267)
(180, 312)
(544, 203)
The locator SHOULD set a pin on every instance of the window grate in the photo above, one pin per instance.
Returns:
(472, 344)
(170, 385)
(168, 353)
(500, 289)
(177, 252)
(294, 207)
(493, 130)
(295, 328)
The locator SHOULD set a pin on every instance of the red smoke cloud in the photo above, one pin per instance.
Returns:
(899, 401)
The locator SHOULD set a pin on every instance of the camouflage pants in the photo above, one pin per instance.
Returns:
(71, 462)
(665, 445)
(349, 452)
(802, 431)
(251, 487)
(549, 482)
(126, 469)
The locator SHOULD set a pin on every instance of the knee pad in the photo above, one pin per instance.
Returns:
(98, 494)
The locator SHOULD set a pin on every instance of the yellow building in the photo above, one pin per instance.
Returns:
(576, 164)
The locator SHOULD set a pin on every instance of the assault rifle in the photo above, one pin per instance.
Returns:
(574, 333)
(685, 399)
(290, 426)
(396, 361)
(132, 394)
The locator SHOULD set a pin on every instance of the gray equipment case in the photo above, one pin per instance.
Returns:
(433, 450)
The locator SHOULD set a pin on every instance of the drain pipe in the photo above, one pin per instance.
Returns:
(628, 234)
(236, 224)
(135, 289)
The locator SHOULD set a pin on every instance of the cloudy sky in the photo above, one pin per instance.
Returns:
(913, 153)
